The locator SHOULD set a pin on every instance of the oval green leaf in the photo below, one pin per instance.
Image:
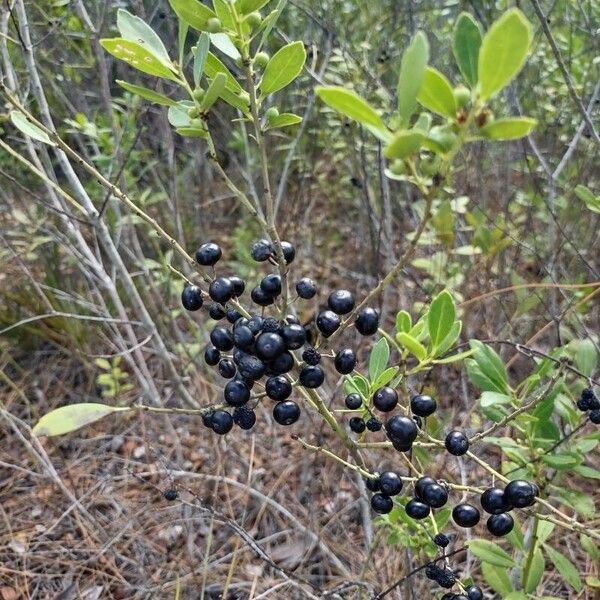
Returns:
(137, 56)
(214, 91)
(490, 553)
(403, 144)
(29, 129)
(285, 65)
(412, 69)
(440, 318)
(73, 417)
(192, 12)
(248, 6)
(379, 358)
(283, 120)
(412, 345)
(503, 52)
(147, 94)
(200, 56)
(531, 577)
(565, 567)
(436, 94)
(508, 129)
(466, 44)
(213, 66)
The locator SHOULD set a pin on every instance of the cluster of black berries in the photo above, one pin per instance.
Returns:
(253, 345)
(589, 402)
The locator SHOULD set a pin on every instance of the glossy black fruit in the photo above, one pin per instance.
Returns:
(345, 361)
(474, 593)
(221, 339)
(269, 346)
(278, 388)
(417, 509)
(353, 401)
(519, 494)
(227, 368)
(255, 324)
(236, 393)
(441, 540)
(401, 429)
(457, 443)
(170, 494)
(341, 302)
(216, 311)
(435, 495)
(221, 422)
(357, 425)
(233, 315)
(493, 501)
(271, 285)
(251, 367)
(390, 483)
(381, 504)
(328, 322)
(243, 337)
(289, 252)
(466, 515)
(211, 355)
(500, 524)
(311, 377)
(385, 399)
(284, 363)
(259, 297)
(208, 254)
(191, 298)
(373, 483)
(221, 289)
(367, 321)
(374, 424)
(306, 288)
(595, 416)
(239, 285)
(294, 336)
(286, 413)
(261, 250)
(244, 417)
(422, 484)
(207, 418)
(423, 406)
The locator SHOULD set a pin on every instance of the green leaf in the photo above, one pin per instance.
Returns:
(562, 462)
(147, 94)
(223, 42)
(178, 114)
(578, 501)
(516, 596)
(450, 339)
(70, 418)
(403, 321)
(586, 196)
(412, 345)
(403, 144)
(285, 65)
(412, 69)
(137, 56)
(503, 52)
(491, 553)
(271, 20)
(213, 66)
(357, 383)
(182, 32)
(214, 91)
(248, 6)
(534, 573)
(194, 132)
(385, 377)
(588, 472)
(508, 129)
(29, 129)
(467, 41)
(235, 101)
(565, 567)
(200, 57)
(453, 358)
(193, 12)
(497, 578)
(379, 358)
(440, 318)
(136, 30)
(283, 120)
(491, 365)
(223, 10)
(493, 398)
(436, 94)
(351, 105)
(590, 547)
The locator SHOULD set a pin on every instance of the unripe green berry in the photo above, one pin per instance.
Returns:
(261, 59)
(462, 95)
(214, 25)
(199, 94)
(398, 167)
(272, 113)
(244, 97)
(193, 112)
(254, 20)
(430, 166)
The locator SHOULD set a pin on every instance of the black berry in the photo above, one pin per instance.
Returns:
(417, 509)
(191, 298)
(441, 540)
(282, 364)
(381, 504)
(328, 322)
(216, 311)
(244, 417)
(286, 413)
(208, 254)
(259, 297)
(239, 285)
(457, 443)
(233, 315)
(345, 361)
(270, 325)
(222, 339)
(357, 425)
(401, 430)
(474, 592)
(269, 346)
(221, 422)
(446, 578)
(466, 515)
(493, 501)
(271, 285)
(519, 494)
(306, 288)
(227, 368)
(422, 484)
(294, 336)
(221, 289)
(311, 377)
(423, 406)
(311, 357)
(435, 495)
(390, 483)
(170, 494)
(278, 388)
(353, 401)
(374, 424)
(500, 524)
(250, 367)
(243, 337)
(236, 393)
(341, 302)
(261, 250)
(255, 324)
(289, 252)
(595, 416)
(385, 399)
(211, 355)
(367, 321)
(372, 483)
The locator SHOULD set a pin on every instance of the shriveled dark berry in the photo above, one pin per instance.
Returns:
(222, 422)
(311, 377)
(239, 285)
(446, 578)
(353, 401)
(519, 494)
(286, 413)
(170, 494)
(306, 288)
(466, 515)
(493, 501)
(432, 571)
(244, 417)
(401, 429)
(435, 495)
(417, 509)
(251, 367)
(341, 302)
(390, 483)
(208, 254)
(221, 339)
(500, 524)
(221, 289)
(381, 504)
(191, 298)
(227, 368)
(345, 361)
(328, 322)
(357, 425)
(216, 311)
(278, 388)
(211, 355)
(441, 540)
(311, 357)
(457, 443)
(374, 424)
(261, 250)
(259, 297)
(271, 285)
(236, 393)
(293, 336)
(385, 399)
(367, 321)
(422, 405)
(270, 325)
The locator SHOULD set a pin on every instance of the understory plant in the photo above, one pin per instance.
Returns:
(530, 432)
